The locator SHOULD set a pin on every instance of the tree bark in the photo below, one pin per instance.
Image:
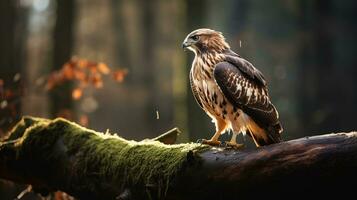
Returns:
(13, 29)
(61, 96)
(60, 155)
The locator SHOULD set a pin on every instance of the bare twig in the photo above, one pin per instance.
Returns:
(24, 192)
(168, 137)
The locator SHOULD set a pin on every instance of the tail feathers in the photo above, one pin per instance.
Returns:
(270, 135)
(274, 133)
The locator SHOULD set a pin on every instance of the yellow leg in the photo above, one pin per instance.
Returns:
(221, 125)
(233, 142)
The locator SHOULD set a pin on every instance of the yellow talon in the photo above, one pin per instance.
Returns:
(234, 145)
(211, 142)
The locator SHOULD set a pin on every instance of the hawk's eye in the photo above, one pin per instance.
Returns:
(195, 37)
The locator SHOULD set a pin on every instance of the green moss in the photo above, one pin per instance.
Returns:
(20, 128)
(146, 163)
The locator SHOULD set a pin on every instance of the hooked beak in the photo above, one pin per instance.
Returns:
(187, 43)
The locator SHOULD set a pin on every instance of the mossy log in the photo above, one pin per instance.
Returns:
(61, 155)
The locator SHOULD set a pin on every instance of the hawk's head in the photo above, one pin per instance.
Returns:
(205, 40)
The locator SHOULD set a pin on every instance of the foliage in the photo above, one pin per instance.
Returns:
(85, 72)
(81, 71)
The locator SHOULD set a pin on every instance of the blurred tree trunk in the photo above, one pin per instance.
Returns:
(198, 123)
(146, 47)
(149, 39)
(179, 71)
(61, 98)
(167, 55)
(121, 45)
(13, 33)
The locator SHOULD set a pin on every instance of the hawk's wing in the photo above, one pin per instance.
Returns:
(245, 66)
(245, 88)
(194, 91)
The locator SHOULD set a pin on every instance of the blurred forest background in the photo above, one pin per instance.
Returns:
(139, 86)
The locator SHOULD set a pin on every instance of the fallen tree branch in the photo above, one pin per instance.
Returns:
(60, 155)
(168, 137)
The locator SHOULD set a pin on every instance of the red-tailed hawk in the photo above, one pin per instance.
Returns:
(231, 90)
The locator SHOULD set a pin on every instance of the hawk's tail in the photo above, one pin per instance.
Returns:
(272, 134)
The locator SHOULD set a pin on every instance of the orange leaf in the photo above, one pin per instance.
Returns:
(65, 113)
(93, 69)
(97, 81)
(54, 79)
(68, 72)
(77, 93)
(84, 120)
(98, 84)
(103, 68)
(9, 94)
(82, 63)
(51, 82)
(83, 84)
(80, 75)
(119, 75)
